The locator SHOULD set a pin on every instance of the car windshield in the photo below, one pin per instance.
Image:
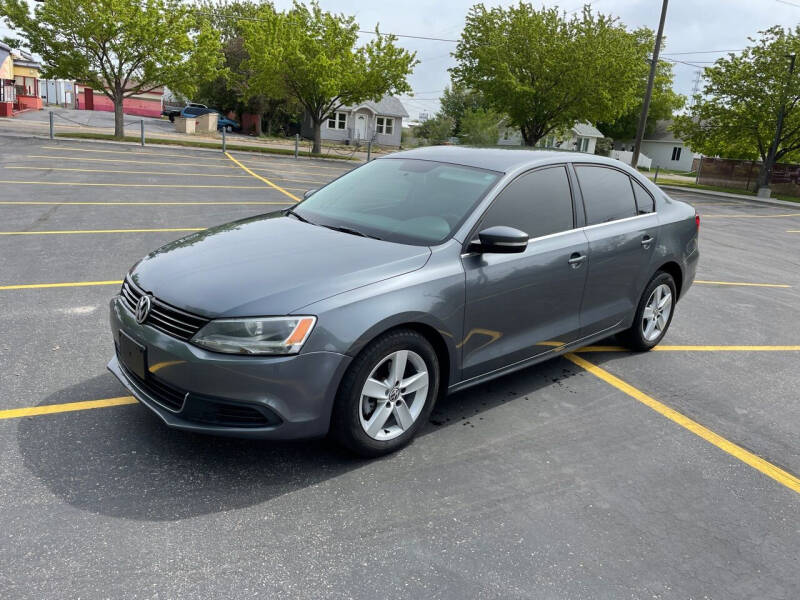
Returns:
(409, 201)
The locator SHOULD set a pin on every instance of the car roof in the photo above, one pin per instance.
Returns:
(499, 159)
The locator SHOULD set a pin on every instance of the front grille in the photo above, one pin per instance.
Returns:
(166, 318)
(166, 395)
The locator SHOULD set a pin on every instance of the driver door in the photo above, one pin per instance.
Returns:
(521, 305)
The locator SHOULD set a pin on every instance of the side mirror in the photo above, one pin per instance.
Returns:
(500, 240)
(308, 194)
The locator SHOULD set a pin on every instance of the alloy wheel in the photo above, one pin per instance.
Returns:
(657, 312)
(393, 395)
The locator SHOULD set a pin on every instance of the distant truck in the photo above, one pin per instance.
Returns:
(175, 111)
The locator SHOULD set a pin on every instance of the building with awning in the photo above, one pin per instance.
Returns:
(26, 81)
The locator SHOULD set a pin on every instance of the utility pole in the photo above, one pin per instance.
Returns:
(646, 104)
(773, 147)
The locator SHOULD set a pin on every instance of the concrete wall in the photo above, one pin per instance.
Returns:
(661, 155)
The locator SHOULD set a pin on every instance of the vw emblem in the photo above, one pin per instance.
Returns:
(142, 309)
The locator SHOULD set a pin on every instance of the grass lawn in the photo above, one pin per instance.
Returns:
(199, 144)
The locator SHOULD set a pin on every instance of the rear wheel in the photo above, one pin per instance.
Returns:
(387, 394)
(653, 315)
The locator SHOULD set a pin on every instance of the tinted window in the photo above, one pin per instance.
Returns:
(644, 201)
(538, 203)
(192, 111)
(607, 194)
(401, 200)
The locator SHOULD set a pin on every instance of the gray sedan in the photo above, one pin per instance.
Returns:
(410, 277)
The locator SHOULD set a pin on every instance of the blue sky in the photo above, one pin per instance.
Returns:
(692, 26)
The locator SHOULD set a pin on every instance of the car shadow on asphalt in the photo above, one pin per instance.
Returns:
(123, 462)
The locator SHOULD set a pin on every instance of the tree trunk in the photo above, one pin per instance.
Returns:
(317, 147)
(119, 117)
(764, 173)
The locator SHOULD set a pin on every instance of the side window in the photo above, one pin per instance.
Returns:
(539, 203)
(644, 201)
(192, 111)
(607, 194)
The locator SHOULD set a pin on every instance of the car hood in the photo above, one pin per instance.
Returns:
(268, 265)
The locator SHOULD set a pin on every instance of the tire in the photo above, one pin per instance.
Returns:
(172, 118)
(646, 332)
(375, 425)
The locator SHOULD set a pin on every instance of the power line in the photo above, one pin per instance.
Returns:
(700, 52)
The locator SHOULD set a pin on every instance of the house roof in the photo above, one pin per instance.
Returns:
(663, 132)
(586, 130)
(388, 105)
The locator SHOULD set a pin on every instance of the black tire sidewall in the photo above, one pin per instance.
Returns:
(345, 422)
(634, 336)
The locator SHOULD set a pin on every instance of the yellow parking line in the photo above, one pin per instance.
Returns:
(79, 231)
(188, 203)
(667, 348)
(48, 409)
(770, 285)
(793, 231)
(264, 179)
(747, 457)
(146, 185)
(136, 162)
(797, 214)
(29, 286)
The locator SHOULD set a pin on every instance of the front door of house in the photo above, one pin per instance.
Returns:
(88, 95)
(361, 127)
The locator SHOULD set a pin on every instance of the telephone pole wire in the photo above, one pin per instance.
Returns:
(646, 104)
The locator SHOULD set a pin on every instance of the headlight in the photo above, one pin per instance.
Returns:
(269, 335)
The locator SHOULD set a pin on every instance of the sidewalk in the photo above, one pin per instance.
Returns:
(772, 201)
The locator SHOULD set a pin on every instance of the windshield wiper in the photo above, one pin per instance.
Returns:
(290, 211)
(351, 231)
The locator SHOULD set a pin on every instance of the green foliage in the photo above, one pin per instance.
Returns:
(435, 130)
(456, 99)
(736, 116)
(603, 146)
(546, 71)
(312, 56)
(118, 47)
(663, 103)
(480, 127)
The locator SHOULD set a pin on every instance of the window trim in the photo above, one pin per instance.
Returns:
(634, 183)
(476, 227)
(380, 127)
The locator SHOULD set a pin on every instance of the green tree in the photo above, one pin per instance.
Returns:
(737, 114)
(435, 130)
(546, 71)
(457, 99)
(312, 56)
(663, 104)
(118, 47)
(480, 127)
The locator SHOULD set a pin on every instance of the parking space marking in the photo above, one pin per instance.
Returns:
(187, 203)
(767, 468)
(49, 409)
(264, 179)
(147, 185)
(30, 286)
(793, 231)
(668, 348)
(116, 171)
(81, 231)
(743, 283)
(127, 161)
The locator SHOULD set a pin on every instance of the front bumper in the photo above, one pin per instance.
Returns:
(275, 397)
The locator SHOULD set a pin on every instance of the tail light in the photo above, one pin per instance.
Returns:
(697, 220)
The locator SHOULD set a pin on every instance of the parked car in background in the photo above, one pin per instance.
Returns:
(414, 275)
(175, 111)
(223, 122)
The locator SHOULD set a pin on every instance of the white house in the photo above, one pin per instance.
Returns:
(381, 122)
(664, 149)
(582, 137)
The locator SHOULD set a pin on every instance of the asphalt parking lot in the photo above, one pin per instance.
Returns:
(606, 474)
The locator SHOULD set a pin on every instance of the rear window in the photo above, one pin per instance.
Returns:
(607, 194)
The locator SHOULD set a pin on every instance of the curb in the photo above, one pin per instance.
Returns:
(772, 201)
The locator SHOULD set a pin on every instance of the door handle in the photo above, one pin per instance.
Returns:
(646, 241)
(576, 259)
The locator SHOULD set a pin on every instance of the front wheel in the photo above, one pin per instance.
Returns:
(387, 394)
(653, 315)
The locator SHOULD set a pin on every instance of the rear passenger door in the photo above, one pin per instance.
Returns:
(521, 305)
(622, 229)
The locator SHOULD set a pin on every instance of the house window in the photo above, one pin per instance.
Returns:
(385, 125)
(676, 153)
(582, 144)
(337, 120)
